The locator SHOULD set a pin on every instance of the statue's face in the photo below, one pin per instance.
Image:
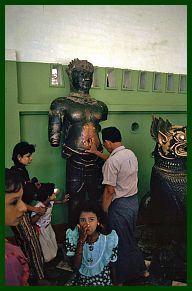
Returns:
(173, 144)
(81, 81)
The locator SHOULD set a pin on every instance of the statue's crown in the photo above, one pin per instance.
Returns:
(80, 65)
(158, 124)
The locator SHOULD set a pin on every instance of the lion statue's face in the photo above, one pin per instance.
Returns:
(171, 140)
(173, 144)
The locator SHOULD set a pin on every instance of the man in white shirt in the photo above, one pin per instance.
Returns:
(120, 178)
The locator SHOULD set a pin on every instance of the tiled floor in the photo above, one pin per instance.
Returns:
(55, 275)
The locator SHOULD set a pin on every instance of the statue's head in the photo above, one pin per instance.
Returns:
(171, 139)
(80, 74)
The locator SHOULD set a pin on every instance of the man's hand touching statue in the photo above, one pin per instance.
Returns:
(93, 150)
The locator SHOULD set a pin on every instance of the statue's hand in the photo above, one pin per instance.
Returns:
(54, 143)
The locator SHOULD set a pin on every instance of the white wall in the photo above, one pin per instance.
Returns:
(140, 37)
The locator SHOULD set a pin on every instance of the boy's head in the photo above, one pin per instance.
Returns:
(112, 134)
(111, 137)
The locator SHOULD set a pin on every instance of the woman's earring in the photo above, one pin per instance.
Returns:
(98, 223)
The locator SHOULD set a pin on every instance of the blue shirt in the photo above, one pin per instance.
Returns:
(104, 251)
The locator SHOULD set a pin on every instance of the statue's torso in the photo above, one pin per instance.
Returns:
(81, 119)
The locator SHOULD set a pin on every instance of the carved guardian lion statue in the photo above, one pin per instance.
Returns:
(163, 211)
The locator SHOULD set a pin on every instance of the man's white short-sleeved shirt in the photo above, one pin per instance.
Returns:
(121, 171)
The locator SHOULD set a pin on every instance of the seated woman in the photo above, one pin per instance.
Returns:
(16, 265)
(92, 252)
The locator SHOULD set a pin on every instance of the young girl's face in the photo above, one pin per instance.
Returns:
(90, 220)
(25, 159)
(52, 197)
(14, 208)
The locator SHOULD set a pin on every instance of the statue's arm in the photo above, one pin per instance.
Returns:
(55, 124)
(104, 110)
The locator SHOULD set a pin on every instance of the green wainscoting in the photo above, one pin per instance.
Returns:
(27, 100)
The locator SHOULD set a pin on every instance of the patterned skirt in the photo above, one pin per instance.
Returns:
(28, 241)
(102, 279)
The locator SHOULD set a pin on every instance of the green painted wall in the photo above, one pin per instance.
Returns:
(27, 100)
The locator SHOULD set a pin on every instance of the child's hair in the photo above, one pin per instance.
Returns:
(12, 181)
(45, 190)
(22, 148)
(95, 207)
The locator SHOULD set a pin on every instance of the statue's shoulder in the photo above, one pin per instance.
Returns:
(103, 105)
(60, 100)
(59, 103)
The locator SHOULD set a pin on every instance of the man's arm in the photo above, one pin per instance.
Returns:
(99, 154)
(107, 197)
(93, 150)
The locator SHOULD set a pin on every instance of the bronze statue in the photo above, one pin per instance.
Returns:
(164, 210)
(74, 122)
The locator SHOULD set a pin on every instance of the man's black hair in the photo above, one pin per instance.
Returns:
(112, 134)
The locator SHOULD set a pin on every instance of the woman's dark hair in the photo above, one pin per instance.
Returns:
(22, 148)
(112, 134)
(95, 207)
(12, 181)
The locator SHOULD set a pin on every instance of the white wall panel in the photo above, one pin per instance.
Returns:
(140, 37)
